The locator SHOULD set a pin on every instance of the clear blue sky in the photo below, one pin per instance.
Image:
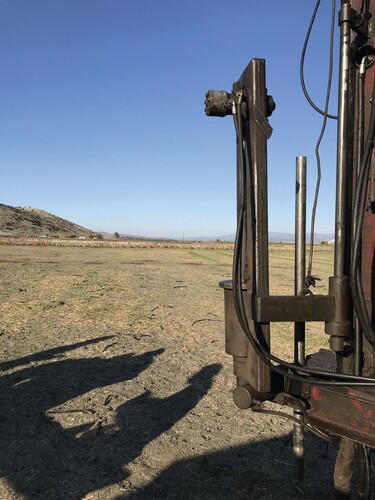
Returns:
(102, 110)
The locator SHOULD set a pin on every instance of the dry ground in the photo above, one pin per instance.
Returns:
(115, 384)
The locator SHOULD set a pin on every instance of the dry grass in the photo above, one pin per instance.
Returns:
(115, 382)
(132, 243)
(109, 243)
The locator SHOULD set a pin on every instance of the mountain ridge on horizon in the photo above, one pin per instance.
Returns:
(28, 221)
(273, 237)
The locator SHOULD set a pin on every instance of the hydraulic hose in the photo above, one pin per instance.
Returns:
(289, 370)
(358, 216)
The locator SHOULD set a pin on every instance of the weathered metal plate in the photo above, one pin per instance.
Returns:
(293, 308)
(346, 412)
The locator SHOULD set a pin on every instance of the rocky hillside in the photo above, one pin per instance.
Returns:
(27, 221)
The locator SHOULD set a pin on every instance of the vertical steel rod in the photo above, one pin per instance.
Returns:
(344, 460)
(300, 252)
(342, 142)
(299, 282)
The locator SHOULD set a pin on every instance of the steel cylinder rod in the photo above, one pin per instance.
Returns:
(342, 140)
(299, 282)
(344, 460)
(300, 253)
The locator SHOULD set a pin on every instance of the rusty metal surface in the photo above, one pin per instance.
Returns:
(255, 248)
(346, 412)
(236, 342)
(339, 325)
(324, 360)
(368, 230)
(341, 410)
(293, 308)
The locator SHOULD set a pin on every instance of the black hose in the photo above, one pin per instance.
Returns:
(358, 335)
(302, 64)
(364, 491)
(307, 426)
(358, 216)
(289, 370)
(317, 147)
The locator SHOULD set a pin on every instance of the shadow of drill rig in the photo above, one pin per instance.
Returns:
(262, 470)
(41, 459)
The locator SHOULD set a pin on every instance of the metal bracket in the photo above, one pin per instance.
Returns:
(347, 14)
(294, 308)
(358, 22)
(262, 122)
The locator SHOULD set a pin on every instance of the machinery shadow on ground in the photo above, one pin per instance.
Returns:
(42, 459)
(50, 353)
(258, 471)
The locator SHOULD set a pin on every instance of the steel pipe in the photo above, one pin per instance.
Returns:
(299, 283)
(342, 140)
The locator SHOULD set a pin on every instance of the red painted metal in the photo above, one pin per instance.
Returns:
(345, 412)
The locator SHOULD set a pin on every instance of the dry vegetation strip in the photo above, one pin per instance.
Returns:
(131, 243)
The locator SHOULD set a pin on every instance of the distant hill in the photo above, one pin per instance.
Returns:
(289, 238)
(27, 221)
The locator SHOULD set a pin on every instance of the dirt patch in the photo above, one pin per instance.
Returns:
(115, 383)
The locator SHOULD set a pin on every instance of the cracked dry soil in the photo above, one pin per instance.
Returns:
(115, 384)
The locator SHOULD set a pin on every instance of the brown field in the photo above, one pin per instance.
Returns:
(115, 384)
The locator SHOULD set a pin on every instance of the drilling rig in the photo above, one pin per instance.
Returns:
(330, 393)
